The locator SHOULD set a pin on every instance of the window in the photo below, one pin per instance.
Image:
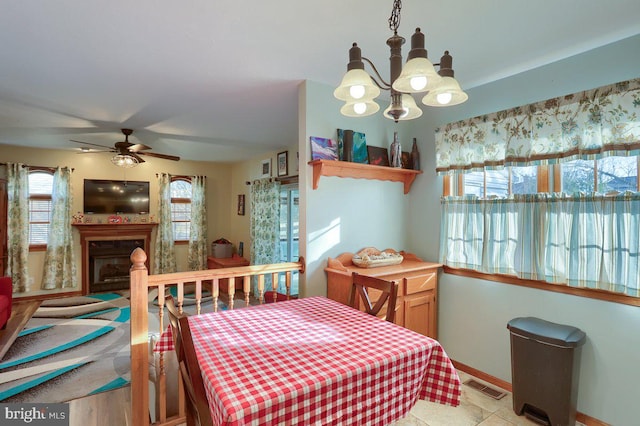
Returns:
(40, 188)
(501, 183)
(181, 209)
(606, 174)
(289, 234)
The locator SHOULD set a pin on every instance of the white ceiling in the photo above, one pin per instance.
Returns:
(217, 81)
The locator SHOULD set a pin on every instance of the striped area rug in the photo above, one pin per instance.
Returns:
(71, 348)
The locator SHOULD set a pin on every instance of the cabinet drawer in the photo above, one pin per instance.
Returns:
(420, 283)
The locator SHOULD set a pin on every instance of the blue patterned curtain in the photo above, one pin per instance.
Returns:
(265, 227)
(59, 262)
(587, 241)
(17, 225)
(164, 253)
(198, 235)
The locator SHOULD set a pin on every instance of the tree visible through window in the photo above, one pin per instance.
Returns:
(40, 188)
(181, 209)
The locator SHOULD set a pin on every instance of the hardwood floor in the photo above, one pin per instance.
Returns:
(105, 408)
(21, 312)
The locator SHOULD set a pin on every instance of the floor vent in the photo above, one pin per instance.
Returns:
(493, 393)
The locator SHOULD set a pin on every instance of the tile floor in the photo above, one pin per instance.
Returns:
(475, 409)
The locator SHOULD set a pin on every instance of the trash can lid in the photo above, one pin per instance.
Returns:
(547, 332)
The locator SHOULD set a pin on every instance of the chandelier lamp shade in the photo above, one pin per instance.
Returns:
(358, 89)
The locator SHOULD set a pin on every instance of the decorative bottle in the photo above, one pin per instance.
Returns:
(396, 151)
(415, 156)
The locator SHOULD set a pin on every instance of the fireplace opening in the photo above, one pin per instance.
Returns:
(109, 264)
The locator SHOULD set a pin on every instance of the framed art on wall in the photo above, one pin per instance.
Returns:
(241, 205)
(265, 168)
(283, 163)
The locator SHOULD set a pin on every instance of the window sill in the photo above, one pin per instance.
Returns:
(38, 247)
(541, 285)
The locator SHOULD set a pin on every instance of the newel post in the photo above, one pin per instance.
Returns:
(139, 338)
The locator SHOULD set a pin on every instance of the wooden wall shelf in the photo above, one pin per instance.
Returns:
(362, 171)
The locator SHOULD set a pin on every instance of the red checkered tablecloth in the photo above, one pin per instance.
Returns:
(315, 361)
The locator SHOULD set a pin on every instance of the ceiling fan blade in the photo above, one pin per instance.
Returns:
(165, 156)
(94, 144)
(137, 157)
(92, 151)
(138, 147)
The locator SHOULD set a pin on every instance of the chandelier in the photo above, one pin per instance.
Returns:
(124, 160)
(358, 89)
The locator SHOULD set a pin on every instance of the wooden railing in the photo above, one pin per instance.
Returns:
(141, 284)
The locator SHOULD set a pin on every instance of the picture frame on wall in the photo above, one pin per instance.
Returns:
(265, 168)
(283, 163)
(241, 205)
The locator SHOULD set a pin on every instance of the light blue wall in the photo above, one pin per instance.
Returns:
(344, 214)
(473, 314)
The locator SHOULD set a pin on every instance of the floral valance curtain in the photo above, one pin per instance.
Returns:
(588, 241)
(587, 125)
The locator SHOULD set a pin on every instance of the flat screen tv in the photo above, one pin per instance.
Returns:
(116, 196)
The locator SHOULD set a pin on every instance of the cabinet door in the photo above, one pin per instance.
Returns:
(420, 313)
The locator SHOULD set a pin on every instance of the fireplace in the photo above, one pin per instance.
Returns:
(109, 264)
(106, 249)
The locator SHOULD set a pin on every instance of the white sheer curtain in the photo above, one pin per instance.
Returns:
(59, 261)
(588, 241)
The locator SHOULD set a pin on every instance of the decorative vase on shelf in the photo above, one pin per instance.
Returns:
(415, 156)
(396, 151)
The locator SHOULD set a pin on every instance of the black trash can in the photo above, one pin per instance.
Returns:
(545, 365)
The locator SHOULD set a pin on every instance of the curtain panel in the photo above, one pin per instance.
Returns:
(197, 256)
(585, 240)
(18, 225)
(585, 125)
(164, 253)
(265, 228)
(59, 260)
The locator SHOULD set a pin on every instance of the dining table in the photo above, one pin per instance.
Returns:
(314, 361)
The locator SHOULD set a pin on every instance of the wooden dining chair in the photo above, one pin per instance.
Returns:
(174, 316)
(194, 385)
(359, 292)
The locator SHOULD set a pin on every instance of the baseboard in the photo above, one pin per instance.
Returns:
(580, 417)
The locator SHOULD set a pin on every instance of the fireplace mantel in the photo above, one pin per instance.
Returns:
(109, 232)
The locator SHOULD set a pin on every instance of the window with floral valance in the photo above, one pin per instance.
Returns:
(589, 124)
(581, 240)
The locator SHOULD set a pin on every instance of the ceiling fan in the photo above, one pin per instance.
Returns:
(127, 153)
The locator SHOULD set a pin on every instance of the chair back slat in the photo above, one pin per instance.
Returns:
(360, 295)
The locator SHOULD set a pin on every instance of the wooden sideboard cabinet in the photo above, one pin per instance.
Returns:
(416, 305)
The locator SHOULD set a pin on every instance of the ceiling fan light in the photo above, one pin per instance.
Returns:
(449, 90)
(126, 161)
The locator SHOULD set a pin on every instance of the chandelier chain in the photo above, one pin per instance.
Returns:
(394, 20)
